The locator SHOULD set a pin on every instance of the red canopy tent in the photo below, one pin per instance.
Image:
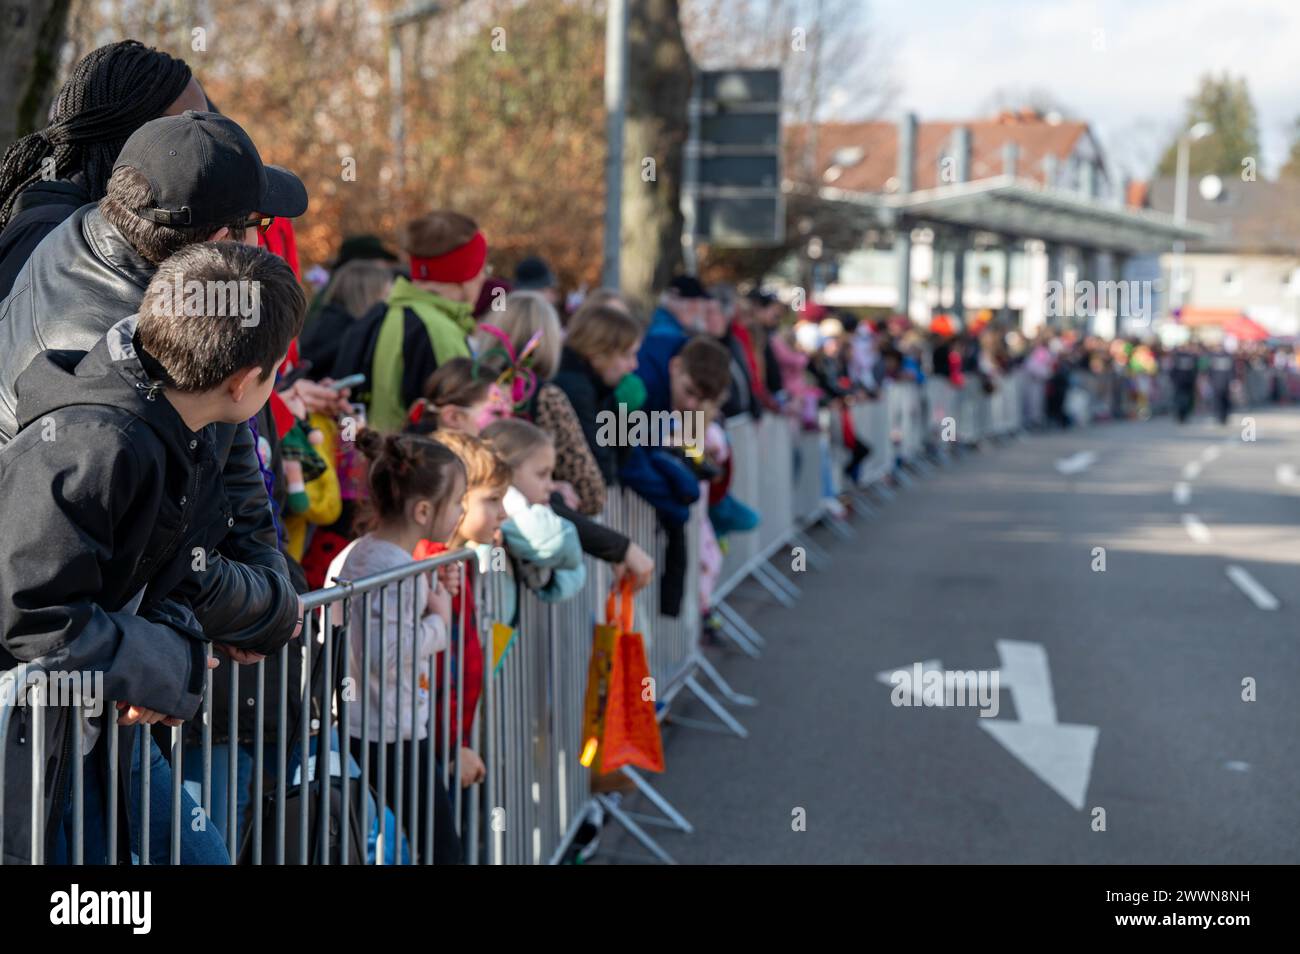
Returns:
(1244, 329)
(1231, 321)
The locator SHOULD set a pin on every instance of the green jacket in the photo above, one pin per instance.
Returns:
(420, 332)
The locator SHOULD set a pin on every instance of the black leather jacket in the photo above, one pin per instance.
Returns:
(37, 212)
(76, 285)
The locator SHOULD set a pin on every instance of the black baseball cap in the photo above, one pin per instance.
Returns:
(688, 286)
(204, 170)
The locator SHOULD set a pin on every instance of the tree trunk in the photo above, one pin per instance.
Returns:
(655, 128)
(30, 39)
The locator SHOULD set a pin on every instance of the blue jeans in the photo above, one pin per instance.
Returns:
(201, 847)
(220, 794)
(827, 471)
(193, 772)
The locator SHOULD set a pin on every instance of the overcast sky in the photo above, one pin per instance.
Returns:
(948, 56)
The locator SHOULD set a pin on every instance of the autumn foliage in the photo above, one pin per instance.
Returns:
(503, 111)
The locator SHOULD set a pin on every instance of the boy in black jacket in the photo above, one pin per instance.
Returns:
(112, 500)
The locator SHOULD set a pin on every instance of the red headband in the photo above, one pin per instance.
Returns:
(458, 265)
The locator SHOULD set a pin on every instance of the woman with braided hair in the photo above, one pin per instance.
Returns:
(45, 177)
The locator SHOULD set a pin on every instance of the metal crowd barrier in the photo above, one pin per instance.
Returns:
(1115, 395)
(293, 816)
(893, 431)
(537, 792)
(527, 729)
(809, 483)
(758, 448)
(969, 414)
(377, 797)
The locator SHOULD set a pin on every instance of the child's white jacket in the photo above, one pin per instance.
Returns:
(547, 547)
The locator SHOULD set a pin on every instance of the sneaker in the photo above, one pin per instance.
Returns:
(586, 840)
(710, 630)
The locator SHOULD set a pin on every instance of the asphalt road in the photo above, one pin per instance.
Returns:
(1001, 546)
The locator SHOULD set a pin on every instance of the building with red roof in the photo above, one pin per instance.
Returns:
(959, 216)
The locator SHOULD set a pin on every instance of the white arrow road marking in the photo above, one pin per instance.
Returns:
(1191, 471)
(1076, 463)
(1059, 754)
(1182, 493)
(1286, 474)
(1025, 672)
(1210, 454)
(887, 676)
(1195, 529)
(1252, 588)
(913, 677)
(930, 665)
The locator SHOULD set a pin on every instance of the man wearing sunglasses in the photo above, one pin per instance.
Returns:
(179, 180)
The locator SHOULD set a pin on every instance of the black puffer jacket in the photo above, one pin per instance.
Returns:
(108, 492)
(107, 496)
(79, 281)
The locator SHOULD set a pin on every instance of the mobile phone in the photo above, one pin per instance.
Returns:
(351, 381)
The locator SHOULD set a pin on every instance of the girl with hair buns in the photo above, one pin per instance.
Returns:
(416, 491)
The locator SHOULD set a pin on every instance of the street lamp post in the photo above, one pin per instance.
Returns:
(396, 120)
(1197, 132)
(615, 104)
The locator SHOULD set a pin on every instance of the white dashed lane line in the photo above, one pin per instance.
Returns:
(1253, 589)
(1197, 530)
(1076, 463)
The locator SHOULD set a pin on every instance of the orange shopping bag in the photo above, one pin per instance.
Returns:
(619, 714)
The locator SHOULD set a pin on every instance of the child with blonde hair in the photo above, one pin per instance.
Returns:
(544, 544)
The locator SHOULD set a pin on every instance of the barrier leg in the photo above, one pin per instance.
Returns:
(714, 706)
(861, 503)
(883, 491)
(715, 677)
(837, 525)
(782, 590)
(611, 805)
(735, 628)
(816, 555)
(939, 453)
(919, 465)
(672, 817)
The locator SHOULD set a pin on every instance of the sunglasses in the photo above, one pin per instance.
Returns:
(260, 222)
